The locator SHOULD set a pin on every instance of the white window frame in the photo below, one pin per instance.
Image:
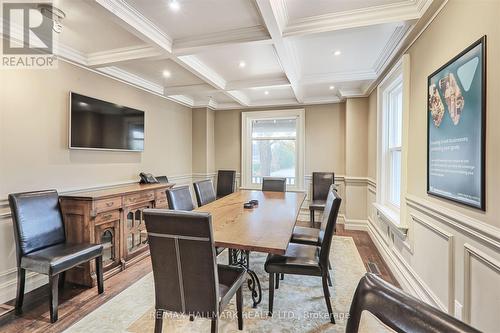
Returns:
(392, 82)
(246, 145)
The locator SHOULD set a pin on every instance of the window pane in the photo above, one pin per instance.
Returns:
(395, 180)
(275, 158)
(274, 128)
(395, 117)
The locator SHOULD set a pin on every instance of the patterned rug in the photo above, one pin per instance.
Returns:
(299, 305)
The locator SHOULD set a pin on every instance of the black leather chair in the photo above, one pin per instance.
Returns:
(309, 260)
(179, 198)
(204, 191)
(226, 182)
(274, 184)
(162, 179)
(398, 310)
(41, 245)
(186, 275)
(321, 182)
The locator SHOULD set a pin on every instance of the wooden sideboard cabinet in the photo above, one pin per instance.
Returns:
(112, 217)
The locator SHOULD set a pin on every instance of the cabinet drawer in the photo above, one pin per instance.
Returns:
(161, 203)
(139, 197)
(107, 217)
(108, 204)
(161, 194)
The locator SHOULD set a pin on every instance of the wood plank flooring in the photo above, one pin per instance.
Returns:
(76, 302)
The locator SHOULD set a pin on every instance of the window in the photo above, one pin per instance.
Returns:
(390, 140)
(272, 146)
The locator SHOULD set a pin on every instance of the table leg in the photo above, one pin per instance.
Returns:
(242, 258)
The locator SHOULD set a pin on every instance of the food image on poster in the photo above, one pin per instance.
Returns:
(456, 127)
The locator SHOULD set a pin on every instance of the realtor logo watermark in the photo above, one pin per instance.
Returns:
(28, 36)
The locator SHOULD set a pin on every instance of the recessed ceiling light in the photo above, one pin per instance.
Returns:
(337, 53)
(174, 5)
(266, 92)
(242, 64)
(332, 87)
(167, 73)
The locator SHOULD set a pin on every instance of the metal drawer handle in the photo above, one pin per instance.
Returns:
(106, 217)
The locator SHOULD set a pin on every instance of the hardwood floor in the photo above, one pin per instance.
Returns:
(76, 302)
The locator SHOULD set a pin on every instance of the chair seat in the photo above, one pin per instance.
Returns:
(230, 280)
(298, 259)
(317, 205)
(305, 235)
(58, 258)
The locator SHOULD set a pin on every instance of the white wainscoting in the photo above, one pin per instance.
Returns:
(446, 259)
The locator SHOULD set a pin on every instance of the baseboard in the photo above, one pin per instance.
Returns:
(404, 274)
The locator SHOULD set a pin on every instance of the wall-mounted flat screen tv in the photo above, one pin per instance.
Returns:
(96, 124)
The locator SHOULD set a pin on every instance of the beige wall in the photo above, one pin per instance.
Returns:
(203, 140)
(356, 110)
(34, 131)
(34, 150)
(472, 19)
(325, 138)
(372, 136)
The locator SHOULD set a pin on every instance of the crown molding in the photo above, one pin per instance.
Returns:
(322, 100)
(196, 44)
(114, 56)
(347, 93)
(238, 96)
(339, 77)
(391, 47)
(190, 89)
(195, 66)
(182, 99)
(395, 12)
(133, 21)
(132, 78)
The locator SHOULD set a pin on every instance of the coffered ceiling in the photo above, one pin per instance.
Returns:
(227, 54)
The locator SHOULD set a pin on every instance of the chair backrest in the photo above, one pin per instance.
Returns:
(398, 310)
(321, 182)
(179, 198)
(162, 179)
(184, 261)
(274, 184)
(226, 182)
(204, 191)
(330, 214)
(38, 221)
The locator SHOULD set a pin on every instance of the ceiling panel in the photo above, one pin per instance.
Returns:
(258, 95)
(323, 89)
(88, 28)
(360, 48)
(198, 17)
(259, 61)
(299, 9)
(152, 70)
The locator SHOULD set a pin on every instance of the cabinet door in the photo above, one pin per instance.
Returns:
(135, 235)
(108, 234)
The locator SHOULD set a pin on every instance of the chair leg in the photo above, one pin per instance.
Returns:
(62, 278)
(329, 264)
(215, 325)
(277, 278)
(282, 276)
(329, 279)
(158, 321)
(21, 278)
(54, 294)
(98, 269)
(191, 318)
(229, 257)
(311, 217)
(326, 292)
(239, 307)
(271, 294)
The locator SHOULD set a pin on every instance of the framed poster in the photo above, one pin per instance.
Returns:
(456, 125)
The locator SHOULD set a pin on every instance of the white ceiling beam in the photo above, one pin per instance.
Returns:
(195, 66)
(190, 89)
(115, 56)
(133, 21)
(238, 96)
(197, 44)
(258, 83)
(322, 100)
(273, 20)
(388, 13)
(339, 77)
(132, 78)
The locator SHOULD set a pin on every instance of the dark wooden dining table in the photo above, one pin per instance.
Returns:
(266, 228)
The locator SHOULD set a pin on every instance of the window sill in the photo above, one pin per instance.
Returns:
(393, 218)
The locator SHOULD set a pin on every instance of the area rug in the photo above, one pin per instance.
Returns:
(299, 305)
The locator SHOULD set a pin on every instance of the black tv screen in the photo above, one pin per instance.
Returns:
(96, 124)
